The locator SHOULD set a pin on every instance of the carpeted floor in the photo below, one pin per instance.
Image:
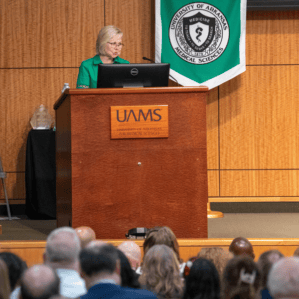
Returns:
(25, 229)
(251, 225)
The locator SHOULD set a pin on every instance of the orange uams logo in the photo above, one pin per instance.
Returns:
(139, 121)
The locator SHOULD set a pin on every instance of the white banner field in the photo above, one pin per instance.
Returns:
(204, 42)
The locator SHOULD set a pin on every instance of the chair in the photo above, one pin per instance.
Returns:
(3, 176)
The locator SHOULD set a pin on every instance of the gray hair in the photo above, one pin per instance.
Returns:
(265, 263)
(283, 279)
(104, 36)
(63, 245)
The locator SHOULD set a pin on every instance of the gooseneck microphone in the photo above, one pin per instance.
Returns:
(148, 59)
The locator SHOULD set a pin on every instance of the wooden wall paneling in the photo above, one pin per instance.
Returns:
(272, 37)
(15, 186)
(213, 182)
(212, 129)
(259, 119)
(25, 90)
(187, 252)
(32, 251)
(259, 183)
(3, 108)
(190, 247)
(33, 256)
(254, 199)
(13, 202)
(40, 33)
(136, 19)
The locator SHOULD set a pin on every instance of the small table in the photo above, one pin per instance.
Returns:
(40, 175)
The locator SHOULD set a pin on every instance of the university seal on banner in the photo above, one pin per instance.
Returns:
(199, 33)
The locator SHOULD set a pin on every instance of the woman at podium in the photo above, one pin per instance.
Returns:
(108, 48)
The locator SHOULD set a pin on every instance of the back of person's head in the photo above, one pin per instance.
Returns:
(129, 278)
(98, 259)
(39, 282)
(4, 281)
(241, 246)
(283, 279)
(63, 246)
(161, 236)
(16, 266)
(296, 253)
(86, 234)
(95, 243)
(203, 281)
(240, 278)
(160, 272)
(266, 260)
(218, 256)
(132, 251)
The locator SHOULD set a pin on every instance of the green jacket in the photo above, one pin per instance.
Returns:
(88, 71)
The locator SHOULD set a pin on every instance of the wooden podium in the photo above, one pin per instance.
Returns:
(113, 185)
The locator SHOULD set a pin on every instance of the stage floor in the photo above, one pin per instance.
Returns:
(251, 225)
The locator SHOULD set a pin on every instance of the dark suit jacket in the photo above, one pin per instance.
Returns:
(265, 294)
(109, 291)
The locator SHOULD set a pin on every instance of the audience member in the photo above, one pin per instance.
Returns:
(4, 281)
(100, 268)
(218, 256)
(39, 282)
(160, 272)
(296, 253)
(283, 279)
(62, 254)
(132, 252)
(202, 281)
(162, 235)
(188, 265)
(16, 267)
(241, 246)
(265, 262)
(240, 278)
(86, 234)
(95, 243)
(108, 272)
(129, 278)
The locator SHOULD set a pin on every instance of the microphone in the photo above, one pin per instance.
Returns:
(148, 59)
(171, 77)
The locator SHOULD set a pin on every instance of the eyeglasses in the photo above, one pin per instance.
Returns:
(115, 45)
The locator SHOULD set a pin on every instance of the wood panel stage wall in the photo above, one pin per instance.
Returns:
(32, 251)
(252, 120)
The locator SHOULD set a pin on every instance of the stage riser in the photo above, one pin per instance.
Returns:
(32, 252)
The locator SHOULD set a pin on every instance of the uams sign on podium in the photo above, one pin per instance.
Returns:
(139, 121)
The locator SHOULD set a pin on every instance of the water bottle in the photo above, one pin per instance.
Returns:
(65, 86)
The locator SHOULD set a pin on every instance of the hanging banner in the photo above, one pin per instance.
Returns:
(204, 42)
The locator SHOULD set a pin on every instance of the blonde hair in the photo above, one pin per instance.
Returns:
(104, 36)
(4, 281)
(218, 256)
(161, 236)
(160, 272)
